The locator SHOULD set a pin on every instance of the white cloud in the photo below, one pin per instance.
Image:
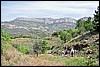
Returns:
(48, 8)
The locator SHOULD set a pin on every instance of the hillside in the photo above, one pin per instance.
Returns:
(37, 27)
(83, 41)
(10, 56)
(13, 57)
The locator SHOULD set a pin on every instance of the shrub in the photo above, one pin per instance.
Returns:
(22, 48)
(7, 56)
(5, 39)
(55, 34)
(40, 47)
(5, 36)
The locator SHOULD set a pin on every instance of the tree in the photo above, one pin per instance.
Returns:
(63, 37)
(80, 25)
(62, 32)
(96, 19)
(84, 26)
(44, 46)
(74, 32)
(40, 47)
(36, 48)
(69, 36)
(88, 25)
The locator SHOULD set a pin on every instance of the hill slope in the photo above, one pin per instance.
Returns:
(37, 27)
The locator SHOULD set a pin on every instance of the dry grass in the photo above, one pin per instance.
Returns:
(46, 60)
(12, 57)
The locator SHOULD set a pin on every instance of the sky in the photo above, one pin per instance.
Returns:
(47, 9)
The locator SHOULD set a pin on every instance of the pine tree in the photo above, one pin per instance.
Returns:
(96, 19)
(89, 25)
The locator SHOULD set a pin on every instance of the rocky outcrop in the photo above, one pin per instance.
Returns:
(46, 20)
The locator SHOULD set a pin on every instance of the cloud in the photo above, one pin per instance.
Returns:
(76, 9)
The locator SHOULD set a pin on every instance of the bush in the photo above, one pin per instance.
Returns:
(55, 34)
(22, 48)
(40, 47)
(5, 40)
(5, 36)
(7, 56)
(3, 48)
(21, 36)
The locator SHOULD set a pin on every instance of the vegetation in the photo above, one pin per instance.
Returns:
(5, 36)
(40, 47)
(20, 36)
(96, 19)
(21, 49)
(81, 27)
(55, 34)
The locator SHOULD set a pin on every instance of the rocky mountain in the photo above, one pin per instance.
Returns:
(37, 27)
(46, 20)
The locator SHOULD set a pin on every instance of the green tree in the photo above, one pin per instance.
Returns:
(69, 36)
(44, 46)
(96, 19)
(66, 35)
(88, 24)
(62, 32)
(75, 32)
(40, 47)
(80, 25)
(63, 37)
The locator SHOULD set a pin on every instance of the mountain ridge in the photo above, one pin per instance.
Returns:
(38, 26)
(48, 20)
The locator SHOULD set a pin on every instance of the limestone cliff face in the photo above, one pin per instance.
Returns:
(47, 20)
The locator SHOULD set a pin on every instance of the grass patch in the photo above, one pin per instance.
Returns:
(69, 61)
